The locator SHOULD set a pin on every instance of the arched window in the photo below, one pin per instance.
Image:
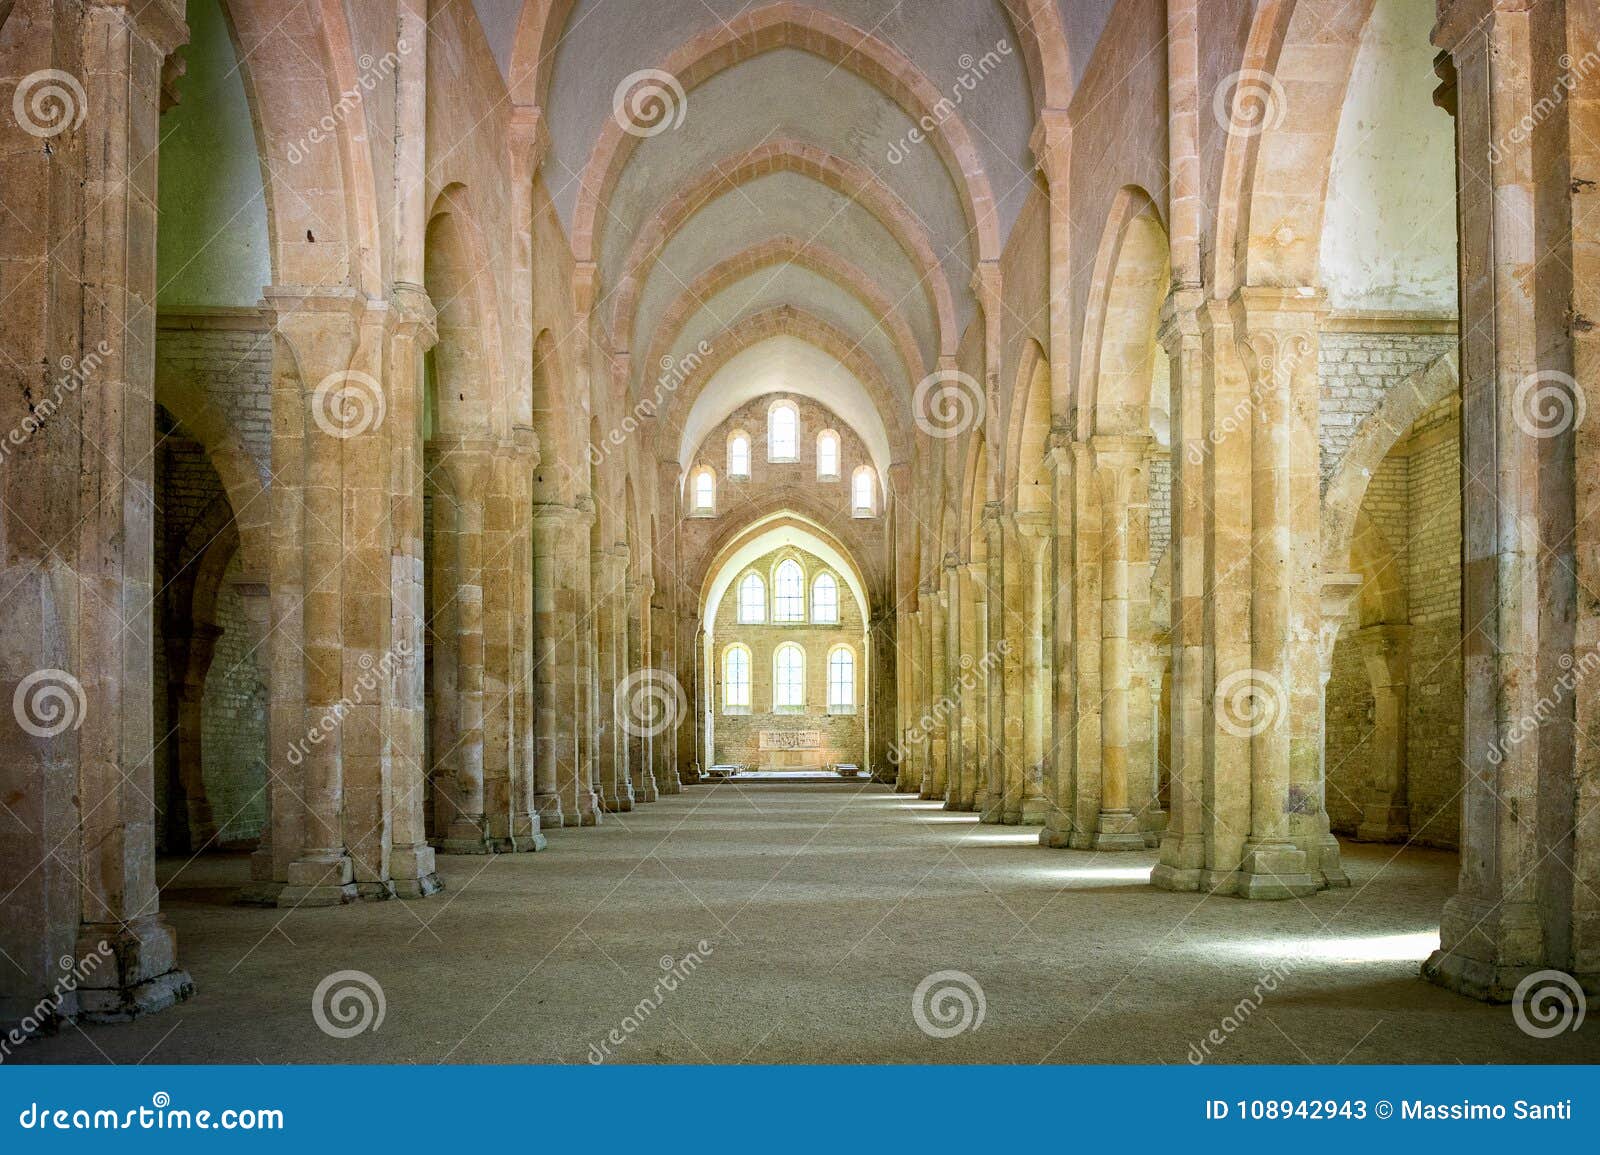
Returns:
(789, 592)
(841, 681)
(736, 680)
(789, 679)
(705, 491)
(752, 599)
(783, 432)
(827, 456)
(739, 455)
(825, 600)
(863, 493)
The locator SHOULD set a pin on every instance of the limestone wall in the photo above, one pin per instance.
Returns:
(737, 736)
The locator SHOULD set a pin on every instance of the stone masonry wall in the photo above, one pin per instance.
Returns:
(738, 736)
(1357, 370)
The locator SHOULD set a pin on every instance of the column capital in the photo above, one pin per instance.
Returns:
(1180, 319)
(1051, 145)
(1118, 464)
(1339, 592)
(528, 139)
(161, 22)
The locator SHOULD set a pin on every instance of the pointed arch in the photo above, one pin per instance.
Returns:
(792, 25)
(1131, 279)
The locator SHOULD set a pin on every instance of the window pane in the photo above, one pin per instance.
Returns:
(705, 491)
(825, 600)
(736, 679)
(841, 679)
(739, 457)
(828, 456)
(864, 489)
(783, 433)
(789, 683)
(752, 599)
(788, 593)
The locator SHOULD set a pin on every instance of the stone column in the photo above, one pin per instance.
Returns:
(641, 745)
(561, 555)
(499, 528)
(527, 825)
(1036, 549)
(936, 780)
(974, 623)
(412, 866)
(1514, 911)
(1183, 852)
(256, 604)
(1158, 675)
(992, 806)
(610, 614)
(1062, 828)
(469, 466)
(958, 661)
(1386, 653)
(1117, 464)
(1278, 330)
(110, 160)
(906, 780)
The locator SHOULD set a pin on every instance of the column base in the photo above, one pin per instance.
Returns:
(1175, 878)
(129, 970)
(548, 807)
(619, 803)
(323, 878)
(1331, 865)
(1273, 871)
(1486, 949)
(1117, 830)
(417, 887)
(990, 811)
(262, 892)
(669, 784)
(645, 789)
(1035, 810)
(586, 813)
(1384, 823)
(466, 835)
(1054, 835)
(375, 891)
(1182, 863)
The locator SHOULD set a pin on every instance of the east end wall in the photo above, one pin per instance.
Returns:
(737, 737)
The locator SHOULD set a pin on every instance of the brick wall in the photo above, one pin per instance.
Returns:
(220, 363)
(738, 736)
(1357, 371)
(234, 727)
(1414, 501)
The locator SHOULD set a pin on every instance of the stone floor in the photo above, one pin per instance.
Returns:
(824, 907)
